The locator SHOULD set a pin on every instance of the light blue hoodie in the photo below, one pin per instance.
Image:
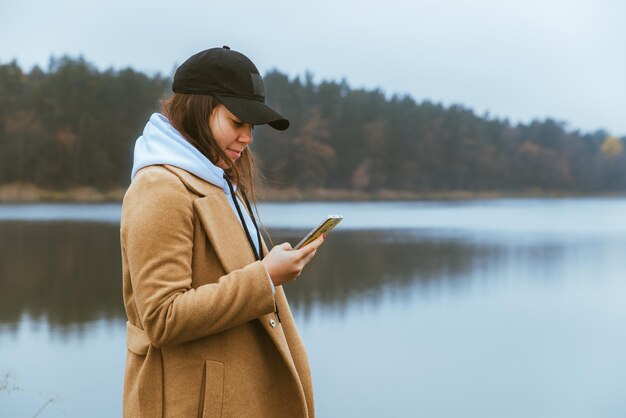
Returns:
(161, 143)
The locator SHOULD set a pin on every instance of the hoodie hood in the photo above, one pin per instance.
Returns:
(161, 143)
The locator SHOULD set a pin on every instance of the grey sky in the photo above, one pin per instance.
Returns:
(518, 59)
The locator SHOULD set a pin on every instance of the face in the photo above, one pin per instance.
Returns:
(231, 134)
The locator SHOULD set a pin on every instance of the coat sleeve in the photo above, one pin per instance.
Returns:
(157, 241)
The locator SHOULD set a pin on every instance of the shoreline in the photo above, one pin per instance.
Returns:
(28, 193)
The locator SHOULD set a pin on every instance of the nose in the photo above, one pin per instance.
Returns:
(246, 134)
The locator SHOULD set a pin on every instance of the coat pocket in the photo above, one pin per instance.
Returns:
(213, 389)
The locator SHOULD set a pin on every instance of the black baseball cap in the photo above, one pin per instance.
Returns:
(234, 80)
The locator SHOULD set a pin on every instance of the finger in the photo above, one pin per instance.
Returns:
(285, 246)
(309, 257)
(312, 246)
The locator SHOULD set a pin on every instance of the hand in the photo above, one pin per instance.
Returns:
(284, 264)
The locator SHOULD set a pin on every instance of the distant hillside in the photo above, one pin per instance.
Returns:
(74, 126)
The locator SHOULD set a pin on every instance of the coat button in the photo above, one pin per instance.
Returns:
(272, 323)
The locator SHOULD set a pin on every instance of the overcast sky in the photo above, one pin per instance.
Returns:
(564, 59)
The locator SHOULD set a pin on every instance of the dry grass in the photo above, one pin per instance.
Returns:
(28, 193)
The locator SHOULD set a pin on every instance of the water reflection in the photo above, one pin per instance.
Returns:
(366, 267)
(70, 273)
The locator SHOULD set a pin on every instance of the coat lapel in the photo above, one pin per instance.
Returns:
(225, 232)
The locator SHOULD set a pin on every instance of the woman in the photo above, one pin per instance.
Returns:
(209, 331)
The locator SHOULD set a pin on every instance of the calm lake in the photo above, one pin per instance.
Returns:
(487, 309)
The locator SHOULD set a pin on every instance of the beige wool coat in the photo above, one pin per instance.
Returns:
(203, 337)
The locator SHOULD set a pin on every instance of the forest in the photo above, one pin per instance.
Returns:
(73, 125)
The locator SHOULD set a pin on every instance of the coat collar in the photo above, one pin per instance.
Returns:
(196, 184)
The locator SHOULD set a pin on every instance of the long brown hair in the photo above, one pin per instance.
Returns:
(189, 114)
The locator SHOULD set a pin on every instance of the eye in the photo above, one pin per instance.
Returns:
(239, 124)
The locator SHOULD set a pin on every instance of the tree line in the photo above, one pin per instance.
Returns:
(74, 125)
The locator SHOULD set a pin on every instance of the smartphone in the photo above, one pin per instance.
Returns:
(324, 228)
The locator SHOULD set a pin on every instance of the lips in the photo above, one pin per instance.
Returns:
(235, 154)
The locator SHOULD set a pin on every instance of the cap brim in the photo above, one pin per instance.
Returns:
(253, 112)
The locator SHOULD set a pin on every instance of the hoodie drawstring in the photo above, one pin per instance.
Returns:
(257, 254)
(245, 228)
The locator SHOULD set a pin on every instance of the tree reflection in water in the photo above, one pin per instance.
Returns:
(70, 273)
(367, 265)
